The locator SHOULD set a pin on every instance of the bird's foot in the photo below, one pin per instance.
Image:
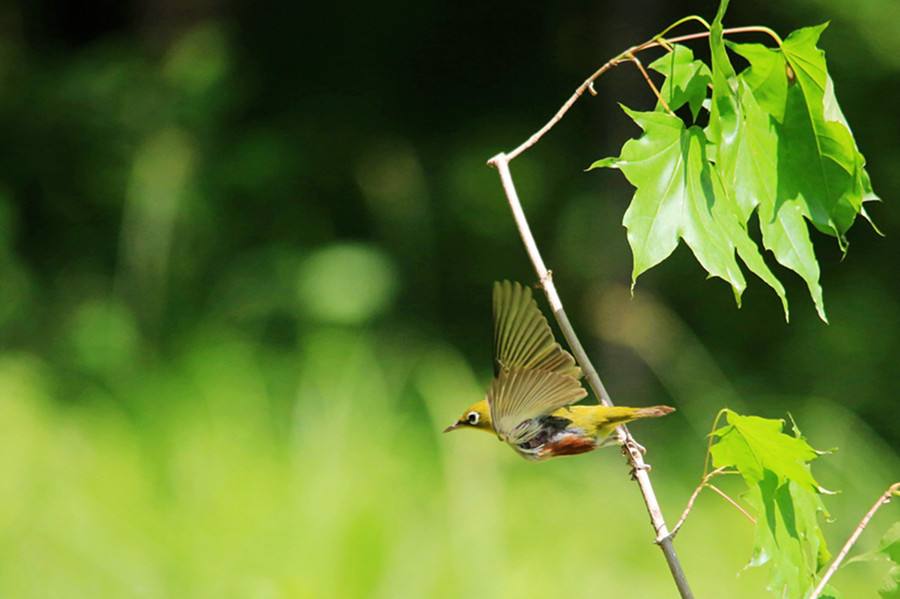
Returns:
(634, 470)
(631, 443)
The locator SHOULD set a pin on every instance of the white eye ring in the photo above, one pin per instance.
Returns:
(472, 418)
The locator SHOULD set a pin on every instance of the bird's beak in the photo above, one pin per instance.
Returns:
(452, 427)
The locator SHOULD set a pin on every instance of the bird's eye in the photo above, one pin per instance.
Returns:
(472, 418)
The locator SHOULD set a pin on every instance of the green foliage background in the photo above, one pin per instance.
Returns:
(246, 256)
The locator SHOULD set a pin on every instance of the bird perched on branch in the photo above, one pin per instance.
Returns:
(529, 402)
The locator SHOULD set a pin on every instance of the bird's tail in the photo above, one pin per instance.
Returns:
(653, 411)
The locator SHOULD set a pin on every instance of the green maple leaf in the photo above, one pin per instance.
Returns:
(819, 165)
(788, 538)
(673, 200)
(777, 144)
(766, 76)
(679, 196)
(686, 80)
(818, 154)
(747, 161)
(745, 149)
(815, 160)
(754, 445)
(784, 495)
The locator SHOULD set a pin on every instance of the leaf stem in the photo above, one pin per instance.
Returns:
(682, 21)
(704, 482)
(883, 499)
(727, 498)
(706, 458)
(639, 468)
(649, 81)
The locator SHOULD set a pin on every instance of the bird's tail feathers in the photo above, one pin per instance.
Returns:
(653, 411)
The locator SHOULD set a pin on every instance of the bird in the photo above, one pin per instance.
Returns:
(528, 404)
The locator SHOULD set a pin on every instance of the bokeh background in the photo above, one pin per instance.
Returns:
(245, 261)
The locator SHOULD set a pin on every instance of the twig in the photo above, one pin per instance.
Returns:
(704, 482)
(635, 457)
(708, 476)
(725, 496)
(588, 84)
(682, 21)
(693, 498)
(649, 81)
(883, 499)
(706, 458)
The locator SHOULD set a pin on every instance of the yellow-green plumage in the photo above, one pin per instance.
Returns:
(596, 421)
(529, 401)
(600, 421)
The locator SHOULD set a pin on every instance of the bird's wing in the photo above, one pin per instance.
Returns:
(518, 397)
(522, 337)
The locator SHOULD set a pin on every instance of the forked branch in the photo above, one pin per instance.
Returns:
(705, 483)
(638, 467)
(501, 162)
(588, 84)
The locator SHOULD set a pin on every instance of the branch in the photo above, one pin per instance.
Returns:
(708, 475)
(704, 482)
(692, 499)
(501, 162)
(588, 84)
(885, 498)
(630, 447)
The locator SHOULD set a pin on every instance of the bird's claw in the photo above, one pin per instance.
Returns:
(644, 467)
(631, 443)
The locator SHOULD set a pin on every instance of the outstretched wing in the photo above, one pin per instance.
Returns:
(517, 397)
(522, 337)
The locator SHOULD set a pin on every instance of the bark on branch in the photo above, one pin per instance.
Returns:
(631, 448)
(883, 499)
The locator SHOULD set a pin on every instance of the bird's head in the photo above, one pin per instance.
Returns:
(477, 416)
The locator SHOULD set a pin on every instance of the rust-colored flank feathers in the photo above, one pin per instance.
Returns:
(568, 445)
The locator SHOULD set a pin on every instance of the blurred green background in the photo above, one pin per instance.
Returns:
(246, 253)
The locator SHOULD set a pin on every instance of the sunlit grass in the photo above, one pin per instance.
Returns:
(204, 492)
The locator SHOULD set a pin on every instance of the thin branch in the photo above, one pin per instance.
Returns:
(883, 499)
(680, 22)
(693, 498)
(727, 498)
(704, 482)
(702, 34)
(635, 457)
(709, 475)
(588, 84)
(649, 81)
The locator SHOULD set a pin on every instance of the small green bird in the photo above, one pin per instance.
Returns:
(528, 404)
